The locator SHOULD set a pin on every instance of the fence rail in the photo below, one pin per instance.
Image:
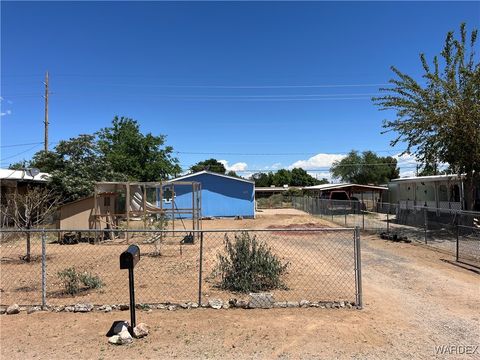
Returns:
(451, 230)
(176, 266)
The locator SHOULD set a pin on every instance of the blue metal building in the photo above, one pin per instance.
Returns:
(221, 195)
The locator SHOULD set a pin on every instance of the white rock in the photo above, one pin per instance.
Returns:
(13, 309)
(125, 337)
(83, 307)
(33, 309)
(141, 330)
(215, 303)
(260, 301)
(304, 303)
(115, 339)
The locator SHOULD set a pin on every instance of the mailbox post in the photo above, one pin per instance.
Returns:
(128, 260)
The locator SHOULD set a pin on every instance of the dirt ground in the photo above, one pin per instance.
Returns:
(415, 299)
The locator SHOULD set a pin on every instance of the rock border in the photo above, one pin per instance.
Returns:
(217, 304)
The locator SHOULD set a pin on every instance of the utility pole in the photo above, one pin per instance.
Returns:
(46, 112)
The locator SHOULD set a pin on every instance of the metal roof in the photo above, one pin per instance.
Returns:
(324, 187)
(211, 173)
(429, 178)
(276, 188)
(22, 175)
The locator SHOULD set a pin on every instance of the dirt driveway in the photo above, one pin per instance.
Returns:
(414, 301)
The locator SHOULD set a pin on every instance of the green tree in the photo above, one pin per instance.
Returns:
(365, 168)
(75, 165)
(294, 177)
(19, 165)
(232, 173)
(301, 178)
(282, 177)
(212, 165)
(140, 157)
(263, 179)
(439, 117)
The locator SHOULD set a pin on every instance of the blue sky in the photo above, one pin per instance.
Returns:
(260, 85)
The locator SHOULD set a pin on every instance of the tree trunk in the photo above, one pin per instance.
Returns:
(27, 256)
(471, 184)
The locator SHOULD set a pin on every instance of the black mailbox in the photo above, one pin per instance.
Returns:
(128, 260)
(130, 257)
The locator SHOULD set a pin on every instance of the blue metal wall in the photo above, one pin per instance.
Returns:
(221, 196)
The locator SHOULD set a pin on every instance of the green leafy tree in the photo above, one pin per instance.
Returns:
(212, 165)
(282, 177)
(439, 116)
(301, 178)
(117, 153)
(75, 165)
(19, 165)
(263, 179)
(140, 157)
(365, 168)
(233, 173)
(294, 177)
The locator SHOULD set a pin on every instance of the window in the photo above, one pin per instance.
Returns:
(106, 201)
(442, 193)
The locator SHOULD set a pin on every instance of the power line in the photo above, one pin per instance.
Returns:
(19, 145)
(20, 153)
(212, 98)
(272, 154)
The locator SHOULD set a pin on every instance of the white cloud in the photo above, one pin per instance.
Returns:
(318, 161)
(239, 166)
(7, 112)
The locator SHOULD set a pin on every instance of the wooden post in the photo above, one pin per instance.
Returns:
(95, 212)
(46, 114)
(144, 206)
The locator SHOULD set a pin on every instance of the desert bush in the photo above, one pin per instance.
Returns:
(69, 278)
(273, 201)
(91, 281)
(249, 266)
(73, 280)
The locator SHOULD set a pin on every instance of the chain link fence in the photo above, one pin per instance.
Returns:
(176, 266)
(437, 227)
(468, 245)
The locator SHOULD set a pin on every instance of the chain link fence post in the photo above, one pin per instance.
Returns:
(363, 213)
(200, 271)
(425, 220)
(44, 270)
(456, 245)
(358, 268)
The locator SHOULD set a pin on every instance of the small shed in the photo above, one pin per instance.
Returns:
(221, 195)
